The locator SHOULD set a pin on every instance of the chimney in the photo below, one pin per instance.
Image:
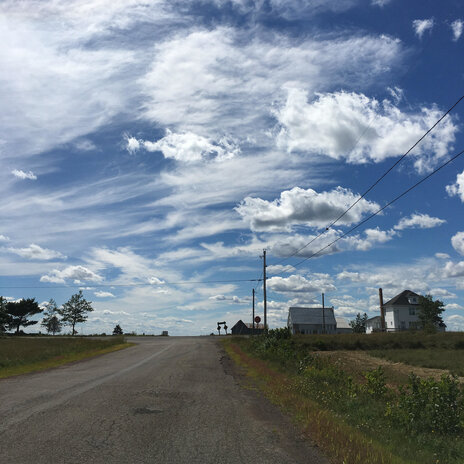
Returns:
(382, 312)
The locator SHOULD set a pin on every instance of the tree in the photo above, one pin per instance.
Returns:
(117, 330)
(429, 314)
(359, 324)
(20, 311)
(50, 321)
(4, 316)
(75, 310)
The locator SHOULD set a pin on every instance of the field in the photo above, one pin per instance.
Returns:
(381, 398)
(19, 355)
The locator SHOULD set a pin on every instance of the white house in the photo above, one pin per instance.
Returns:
(401, 312)
(311, 320)
(374, 324)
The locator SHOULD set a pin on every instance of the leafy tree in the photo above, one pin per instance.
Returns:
(359, 324)
(117, 330)
(75, 310)
(4, 316)
(20, 311)
(50, 321)
(430, 313)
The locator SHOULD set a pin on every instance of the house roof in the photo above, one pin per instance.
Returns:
(401, 299)
(375, 318)
(342, 323)
(299, 315)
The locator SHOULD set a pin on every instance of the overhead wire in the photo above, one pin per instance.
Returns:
(398, 161)
(359, 224)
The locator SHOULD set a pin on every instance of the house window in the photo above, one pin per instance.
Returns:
(412, 311)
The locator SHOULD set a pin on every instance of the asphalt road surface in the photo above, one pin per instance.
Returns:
(166, 400)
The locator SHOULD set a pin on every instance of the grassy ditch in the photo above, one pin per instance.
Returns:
(21, 355)
(358, 414)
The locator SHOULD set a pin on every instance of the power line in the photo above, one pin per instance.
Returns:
(398, 161)
(359, 224)
(186, 282)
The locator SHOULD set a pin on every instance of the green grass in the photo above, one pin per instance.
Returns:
(314, 377)
(451, 360)
(20, 355)
(381, 341)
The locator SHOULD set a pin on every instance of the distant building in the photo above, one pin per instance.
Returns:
(401, 312)
(242, 328)
(343, 326)
(311, 320)
(374, 324)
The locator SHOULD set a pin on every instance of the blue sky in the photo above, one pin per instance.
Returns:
(149, 147)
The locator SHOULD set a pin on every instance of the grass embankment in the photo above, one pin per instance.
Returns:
(21, 355)
(355, 413)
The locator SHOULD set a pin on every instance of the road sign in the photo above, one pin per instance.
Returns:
(257, 319)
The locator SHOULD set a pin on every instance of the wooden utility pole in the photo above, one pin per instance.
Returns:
(253, 319)
(323, 315)
(382, 311)
(264, 290)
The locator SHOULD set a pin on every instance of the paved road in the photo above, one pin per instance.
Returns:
(166, 400)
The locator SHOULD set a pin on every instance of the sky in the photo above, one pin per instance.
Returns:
(151, 150)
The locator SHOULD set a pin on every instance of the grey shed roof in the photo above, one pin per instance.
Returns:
(299, 315)
(401, 299)
(342, 323)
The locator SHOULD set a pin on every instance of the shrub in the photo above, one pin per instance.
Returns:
(428, 405)
(375, 382)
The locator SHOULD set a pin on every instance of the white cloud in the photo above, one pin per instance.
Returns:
(299, 284)
(233, 299)
(279, 269)
(300, 206)
(132, 144)
(187, 147)
(419, 221)
(457, 241)
(453, 269)
(457, 189)
(380, 3)
(371, 237)
(102, 294)
(420, 26)
(454, 322)
(454, 307)
(36, 252)
(4, 238)
(351, 126)
(457, 27)
(24, 175)
(76, 273)
(442, 255)
(236, 81)
(155, 281)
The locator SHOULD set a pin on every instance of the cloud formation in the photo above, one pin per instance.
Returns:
(419, 221)
(457, 27)
(458, 242)
(36, 252)
(420, 26)
(307, 207)
(354, 127)
(457, 189)
(24, 175)
(76, 273)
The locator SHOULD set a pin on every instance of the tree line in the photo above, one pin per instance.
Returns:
(17, 314)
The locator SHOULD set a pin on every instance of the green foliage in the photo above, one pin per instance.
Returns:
(375, 382)
(430, 313)
(359, 324)
(428, 405)
(50, 321)
(117, 330)
(20, 311)
(75, 310)
(4, 316)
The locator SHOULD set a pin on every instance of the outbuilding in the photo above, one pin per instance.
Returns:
(316, 320)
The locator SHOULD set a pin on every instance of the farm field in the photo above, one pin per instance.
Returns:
(346, 391)
(19, 355)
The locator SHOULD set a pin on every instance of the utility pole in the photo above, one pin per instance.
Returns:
(264, 291)
(382, 311)
(323, 315)
(253, 320)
